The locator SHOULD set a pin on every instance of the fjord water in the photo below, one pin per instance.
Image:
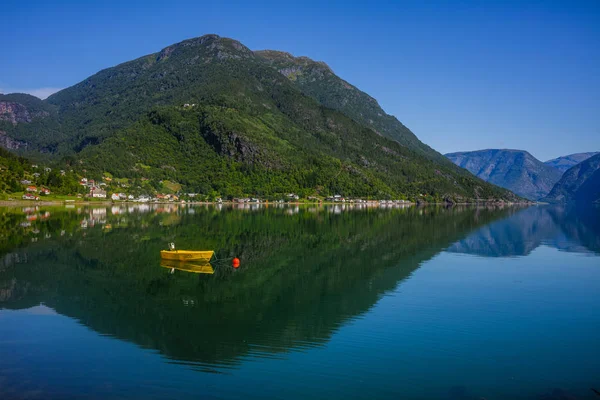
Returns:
(329, 302)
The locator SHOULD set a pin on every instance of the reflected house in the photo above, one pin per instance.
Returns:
(116, 210)
(99, 212)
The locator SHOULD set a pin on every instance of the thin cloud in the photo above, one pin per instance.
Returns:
(42, 93)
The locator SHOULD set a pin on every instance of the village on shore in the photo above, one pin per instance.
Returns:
(100, 191)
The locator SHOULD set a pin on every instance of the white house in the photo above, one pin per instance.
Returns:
(98, 193)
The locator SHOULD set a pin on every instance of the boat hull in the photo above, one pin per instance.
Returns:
(186, 255)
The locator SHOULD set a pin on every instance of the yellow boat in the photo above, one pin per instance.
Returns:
(195, 267)
(186, 255)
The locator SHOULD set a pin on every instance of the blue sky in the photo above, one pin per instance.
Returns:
(463, 75)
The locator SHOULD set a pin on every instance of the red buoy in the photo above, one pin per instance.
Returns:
(236, 262)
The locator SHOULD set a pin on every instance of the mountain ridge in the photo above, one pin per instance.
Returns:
(563, 163)
(516, 170)
(579, 183)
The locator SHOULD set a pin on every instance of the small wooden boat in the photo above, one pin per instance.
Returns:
(196, 267)
(186, 255)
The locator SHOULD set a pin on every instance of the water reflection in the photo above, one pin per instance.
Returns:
(305, 270)
(565, 228)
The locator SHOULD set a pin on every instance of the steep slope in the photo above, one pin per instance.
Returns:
(25, 120)
(581, 183)
(318, 81)
(515, 170)
(211, 114)
(566, 162)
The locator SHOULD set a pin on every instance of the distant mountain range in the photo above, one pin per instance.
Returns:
(515, 170)
(526, 176)
(221, 119)
(580, 183)
(565, 162)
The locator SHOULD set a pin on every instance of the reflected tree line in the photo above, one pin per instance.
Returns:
(303, 273)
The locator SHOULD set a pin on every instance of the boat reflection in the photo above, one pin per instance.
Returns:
(196, 267)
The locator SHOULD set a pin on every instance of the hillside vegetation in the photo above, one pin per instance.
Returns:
(215, 117)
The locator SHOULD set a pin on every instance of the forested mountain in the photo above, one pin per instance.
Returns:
(515, 170)
(580, 183)
(565, 162)
(219, 118)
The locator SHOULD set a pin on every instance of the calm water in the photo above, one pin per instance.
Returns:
(412, 303)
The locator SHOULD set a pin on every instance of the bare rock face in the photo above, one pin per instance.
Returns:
(14, 112)
(17, 113)
(9, 143)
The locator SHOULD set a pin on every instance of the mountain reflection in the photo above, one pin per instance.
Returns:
(565, 228)
(305, 270)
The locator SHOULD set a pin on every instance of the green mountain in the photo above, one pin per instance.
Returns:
(515, 170)
(565, 162)
(580, 183)
(218, 118)
(317, 80)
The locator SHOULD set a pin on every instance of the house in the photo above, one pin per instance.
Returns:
(47, 169)
(98, 193)
(36, 174)
(130, 197)
(114, 196)
(123, 196)
(83, 182)
(31, 189)
(45, 191)
(293, 196)
(25, 182)
(28, 196)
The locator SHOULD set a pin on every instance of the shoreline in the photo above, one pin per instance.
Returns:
(24, 203)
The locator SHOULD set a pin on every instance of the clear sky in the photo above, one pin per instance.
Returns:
(463, 75)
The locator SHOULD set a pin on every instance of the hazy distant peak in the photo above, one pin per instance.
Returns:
(565, 162)
(516, 170)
